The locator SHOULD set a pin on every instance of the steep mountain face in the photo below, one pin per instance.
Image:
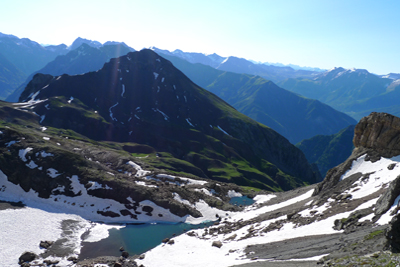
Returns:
(81, 60)
(292, 116)
(10, 77)
(143, 98)
(101, 181)
(328, 151)
(239, 65)
(27, 55)
(355, 92)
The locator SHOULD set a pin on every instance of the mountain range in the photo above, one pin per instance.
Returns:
(355, 92)
(21, 57)
(294, 117)
(142, 98)
(291, 115)
(239, 65)
(133, 137)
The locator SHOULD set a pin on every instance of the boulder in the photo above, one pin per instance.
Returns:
(46, 244)
(27, 257)
(217, 244)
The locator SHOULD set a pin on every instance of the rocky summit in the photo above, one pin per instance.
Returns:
(142, 98)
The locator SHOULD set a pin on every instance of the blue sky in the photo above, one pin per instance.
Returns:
(317, 33)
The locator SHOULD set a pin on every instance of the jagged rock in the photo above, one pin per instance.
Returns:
(165, 240)
(232, 237)
(117, 264)
(387, 199)
(121, 249)
(171, 242)
(391, 166)
(217, 244)
(125, 254)
(27, 257)
(351, 221)
(46, 244)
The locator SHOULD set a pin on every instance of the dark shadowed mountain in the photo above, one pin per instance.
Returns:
(355, 92)
(328, 151)
(289, 114)
(81, 60)
(142, 98)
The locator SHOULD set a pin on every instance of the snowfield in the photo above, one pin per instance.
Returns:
(46, 217)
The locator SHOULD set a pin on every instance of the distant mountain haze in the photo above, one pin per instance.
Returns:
(355, 92)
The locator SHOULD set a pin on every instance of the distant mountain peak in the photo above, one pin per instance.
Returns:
(79, 41)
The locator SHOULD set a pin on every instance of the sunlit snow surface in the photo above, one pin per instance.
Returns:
(45, 218)
(23, 229)
(191, 250)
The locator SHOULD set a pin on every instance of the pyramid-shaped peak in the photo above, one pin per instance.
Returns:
(79, 41)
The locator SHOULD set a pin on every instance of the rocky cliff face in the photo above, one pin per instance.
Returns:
(376, 156)
(376, 136)
(380, 132)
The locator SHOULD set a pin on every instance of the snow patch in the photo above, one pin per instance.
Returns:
(188, 121)
(123, 90)
(139, 171)
(22, 153)
(111, 113)
(223, 131)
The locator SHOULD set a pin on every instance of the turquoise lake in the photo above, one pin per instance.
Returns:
(135, 239)
(138, 238)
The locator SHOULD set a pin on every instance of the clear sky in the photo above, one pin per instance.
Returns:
(316, 33)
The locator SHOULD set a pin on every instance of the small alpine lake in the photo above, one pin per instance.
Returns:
(135, 238)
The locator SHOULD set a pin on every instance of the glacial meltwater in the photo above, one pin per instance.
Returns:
(243, 200)
(135, 238)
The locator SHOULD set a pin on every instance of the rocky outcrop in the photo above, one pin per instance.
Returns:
(377, 135)
(386, 200)
(393, 235)
(379, 131)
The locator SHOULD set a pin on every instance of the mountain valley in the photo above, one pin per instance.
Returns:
(101, 144)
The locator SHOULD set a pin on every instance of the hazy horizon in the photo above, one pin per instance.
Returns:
(318, 34)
